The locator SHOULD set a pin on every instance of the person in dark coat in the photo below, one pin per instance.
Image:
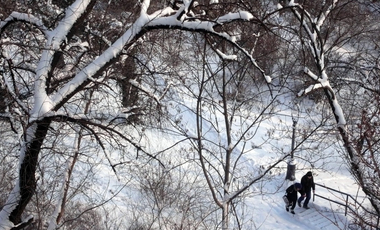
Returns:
(291, 195)
(307, 182)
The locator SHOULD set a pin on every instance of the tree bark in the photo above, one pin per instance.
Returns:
(356, 170)
(28, 167)
(28, 164)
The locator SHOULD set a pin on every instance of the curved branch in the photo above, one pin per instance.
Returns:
(22, 17)
(86, 123)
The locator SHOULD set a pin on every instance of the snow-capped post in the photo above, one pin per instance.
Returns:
(291, 169)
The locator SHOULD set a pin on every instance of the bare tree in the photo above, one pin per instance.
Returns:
(328, 32)
(231, 103)
(57, 55)
(47, 85)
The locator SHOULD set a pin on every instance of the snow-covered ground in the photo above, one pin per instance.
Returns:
(323, 213)
(264, 206)
(267, 211)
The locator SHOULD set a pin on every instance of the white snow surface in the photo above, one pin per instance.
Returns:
(266, 210)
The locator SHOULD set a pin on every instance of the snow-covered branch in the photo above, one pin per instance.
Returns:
(241, 15)
(158, 19)
(42, 102)
(16, 16)
(324, 15)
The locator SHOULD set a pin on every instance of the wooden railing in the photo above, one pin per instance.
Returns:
(347, 206)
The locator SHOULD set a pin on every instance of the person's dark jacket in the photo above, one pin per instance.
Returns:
(307, 184)
(291, 194)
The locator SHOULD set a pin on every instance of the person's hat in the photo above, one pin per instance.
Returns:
(298, 185)
(309, 174)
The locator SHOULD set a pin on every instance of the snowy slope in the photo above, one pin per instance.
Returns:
(265, 208)
(269, 211)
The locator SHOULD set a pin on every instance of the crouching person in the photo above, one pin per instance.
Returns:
(291, 196)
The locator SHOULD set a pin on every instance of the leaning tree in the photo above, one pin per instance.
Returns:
(337, 38)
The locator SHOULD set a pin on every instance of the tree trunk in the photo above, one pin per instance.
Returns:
(225, 218)
(26, 185)
(356, 168)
